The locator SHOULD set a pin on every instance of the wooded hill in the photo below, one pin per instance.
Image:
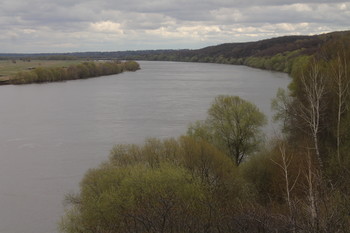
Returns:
(279, 54)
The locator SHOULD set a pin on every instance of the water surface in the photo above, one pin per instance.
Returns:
(50, 134)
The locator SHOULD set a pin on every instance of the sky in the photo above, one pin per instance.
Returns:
(44, 26)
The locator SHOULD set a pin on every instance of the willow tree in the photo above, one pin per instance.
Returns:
(233, 125)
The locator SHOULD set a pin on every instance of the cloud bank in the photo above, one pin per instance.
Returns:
(111, 25)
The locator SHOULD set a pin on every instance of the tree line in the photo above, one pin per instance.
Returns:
(278, 54)
(80, 71)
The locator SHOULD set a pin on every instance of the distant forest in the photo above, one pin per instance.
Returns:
(278, 54)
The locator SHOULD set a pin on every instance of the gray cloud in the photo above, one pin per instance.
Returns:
(77, 25)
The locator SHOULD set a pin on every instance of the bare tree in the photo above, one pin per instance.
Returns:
(342, 84)
(290, 183)
(311, 192)
(311, 107)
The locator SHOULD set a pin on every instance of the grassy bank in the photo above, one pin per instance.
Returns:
(12, 67)
(24, 72)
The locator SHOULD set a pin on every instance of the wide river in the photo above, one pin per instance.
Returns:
(51, 134)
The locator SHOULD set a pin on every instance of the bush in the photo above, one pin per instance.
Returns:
(183, 185)
(137, 199)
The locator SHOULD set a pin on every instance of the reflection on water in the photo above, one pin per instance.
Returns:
(50, 134)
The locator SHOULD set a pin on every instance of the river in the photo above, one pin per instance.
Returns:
(51, 134)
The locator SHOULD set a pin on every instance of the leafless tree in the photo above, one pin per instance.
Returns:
(311, 192)
(310, 109)
(290, 182)
(284, 164)
(341, 84)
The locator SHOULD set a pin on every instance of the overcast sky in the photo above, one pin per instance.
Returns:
(115, 25)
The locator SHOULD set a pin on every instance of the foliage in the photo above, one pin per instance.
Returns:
(260, 173)
(192, 184)
(233, 125)
(137, 198)
(182, 185)
(315, 114)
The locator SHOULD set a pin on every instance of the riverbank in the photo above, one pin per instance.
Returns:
(54, 73)
(52, 134)
(4, 80)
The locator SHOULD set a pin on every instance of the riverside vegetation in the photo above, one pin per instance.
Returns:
(278, 54)
(74, 71)
(220, 177)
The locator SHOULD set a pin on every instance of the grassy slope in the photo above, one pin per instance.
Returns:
(9, 68)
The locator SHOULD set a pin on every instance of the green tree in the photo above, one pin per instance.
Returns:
(172, 185)
(137, 199)
(233, 125)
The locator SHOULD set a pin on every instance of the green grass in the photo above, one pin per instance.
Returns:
(9, 68)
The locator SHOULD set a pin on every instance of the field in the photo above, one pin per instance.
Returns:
(9, 67)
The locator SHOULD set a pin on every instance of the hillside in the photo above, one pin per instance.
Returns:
(279, 54)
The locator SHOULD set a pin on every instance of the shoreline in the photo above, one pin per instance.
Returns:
(83, 70)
